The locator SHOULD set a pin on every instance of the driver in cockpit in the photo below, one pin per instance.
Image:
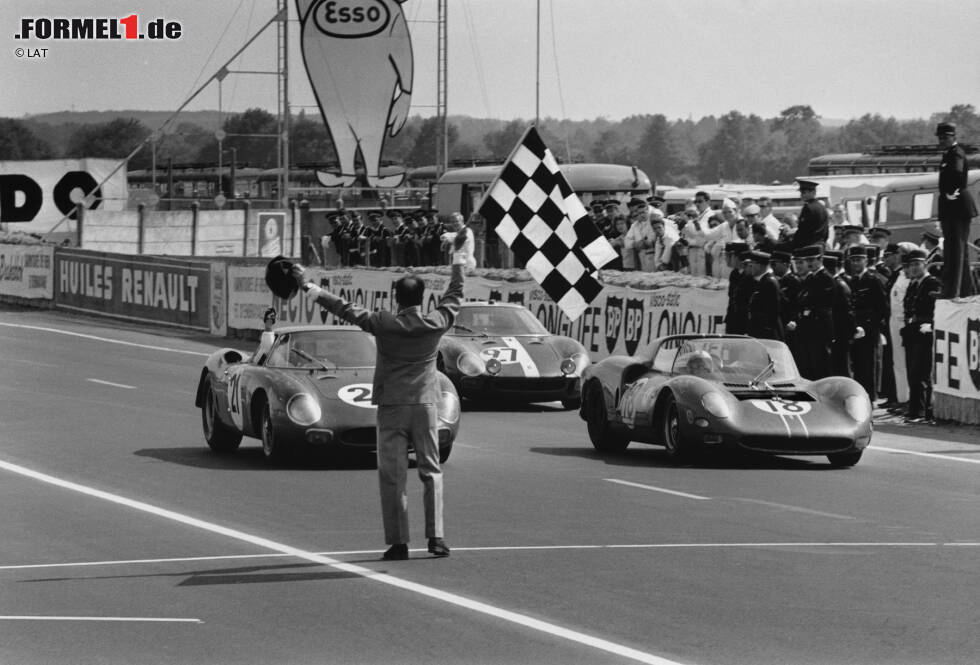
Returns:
(699, 363)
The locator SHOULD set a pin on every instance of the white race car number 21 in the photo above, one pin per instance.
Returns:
(357, 394)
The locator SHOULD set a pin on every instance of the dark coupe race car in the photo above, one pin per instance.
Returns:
(502, 351)
(699, 392)
(313, 388)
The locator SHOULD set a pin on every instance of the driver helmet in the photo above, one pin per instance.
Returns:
(699, 361)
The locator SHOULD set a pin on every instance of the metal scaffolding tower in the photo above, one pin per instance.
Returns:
(282, 49)
(442, 129)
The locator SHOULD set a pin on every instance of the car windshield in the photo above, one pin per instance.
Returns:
(497, 320)
(731, 360)
(323, 349)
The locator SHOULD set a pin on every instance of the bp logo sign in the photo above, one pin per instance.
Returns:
(973, 350)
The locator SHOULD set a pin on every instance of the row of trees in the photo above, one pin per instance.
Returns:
(732, 148)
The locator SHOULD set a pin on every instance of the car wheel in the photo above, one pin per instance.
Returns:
(675, 445)
(845, 459)
(571, 403)
(272, 445)
(444, 453)
(220, 439)
(600, 433)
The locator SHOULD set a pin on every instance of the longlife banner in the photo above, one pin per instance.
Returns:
(25, 271)
(621, 321)
(136, 288)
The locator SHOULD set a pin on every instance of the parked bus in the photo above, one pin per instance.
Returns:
(461, 190)
(887, 159)
(908, 207)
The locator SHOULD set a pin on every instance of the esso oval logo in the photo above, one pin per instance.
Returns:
(357, 394)
(350, 19)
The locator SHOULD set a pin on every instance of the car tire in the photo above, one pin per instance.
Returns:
(273, 447)
(845, 459)
(444, 453)
(219, 437)
(571, 403)
(600, 433)
(678, 450)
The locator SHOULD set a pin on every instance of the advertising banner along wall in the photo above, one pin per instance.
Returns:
(621, 321)
(138, 288)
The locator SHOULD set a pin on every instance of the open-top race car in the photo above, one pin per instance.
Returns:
(499, 350)
(312, 388)
(695, 392)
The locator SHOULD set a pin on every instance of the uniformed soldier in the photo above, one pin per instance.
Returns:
(764, 311)
(813, 224)
(843, 312)
(870, 317)
(956, 209)
(917, 334)
(412, 237)
(740, 287)
(789, 290)
(814, 326)
(396, 240)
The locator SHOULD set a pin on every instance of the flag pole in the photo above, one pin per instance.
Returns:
(537, 66)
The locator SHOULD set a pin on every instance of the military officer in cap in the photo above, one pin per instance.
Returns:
(956, 210)
(813, 224)
(789, 286)
(814, 325)
(843, 312)
(917, 334)
(765, 303)
(740, 286)
(870, 302)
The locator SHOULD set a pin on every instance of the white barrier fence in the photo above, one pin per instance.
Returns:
(622, 320)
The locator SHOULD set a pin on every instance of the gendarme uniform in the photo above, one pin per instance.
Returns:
(843, 311)
(919, 305)
(870, 314)
(815, 320)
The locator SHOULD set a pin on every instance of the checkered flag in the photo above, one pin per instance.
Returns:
(534, 210)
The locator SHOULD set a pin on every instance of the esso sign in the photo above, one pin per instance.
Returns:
(351, 18)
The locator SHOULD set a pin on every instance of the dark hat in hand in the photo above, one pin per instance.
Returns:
(279, 278)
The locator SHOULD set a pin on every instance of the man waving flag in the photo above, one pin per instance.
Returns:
(534, 210)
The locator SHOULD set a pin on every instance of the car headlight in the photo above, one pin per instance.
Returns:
(448, 407)
(471, 364)
(575, 364)
(494, 366)
(303, 410)
(716, 405)
(858, 407)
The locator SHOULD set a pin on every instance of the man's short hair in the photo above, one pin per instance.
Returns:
(409, 291)
(702, 195)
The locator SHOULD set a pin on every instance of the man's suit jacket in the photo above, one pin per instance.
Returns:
(407, 343)
(813, 225)
(953, 173)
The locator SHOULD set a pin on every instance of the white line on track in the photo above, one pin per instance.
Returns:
(108, 340)
(658, 489)
(950, 458)
(110, 383)
(795, 509)
(69, 618)
(384, 578)
(495, 548)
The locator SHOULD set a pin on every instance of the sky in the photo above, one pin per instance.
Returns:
(598, 58)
